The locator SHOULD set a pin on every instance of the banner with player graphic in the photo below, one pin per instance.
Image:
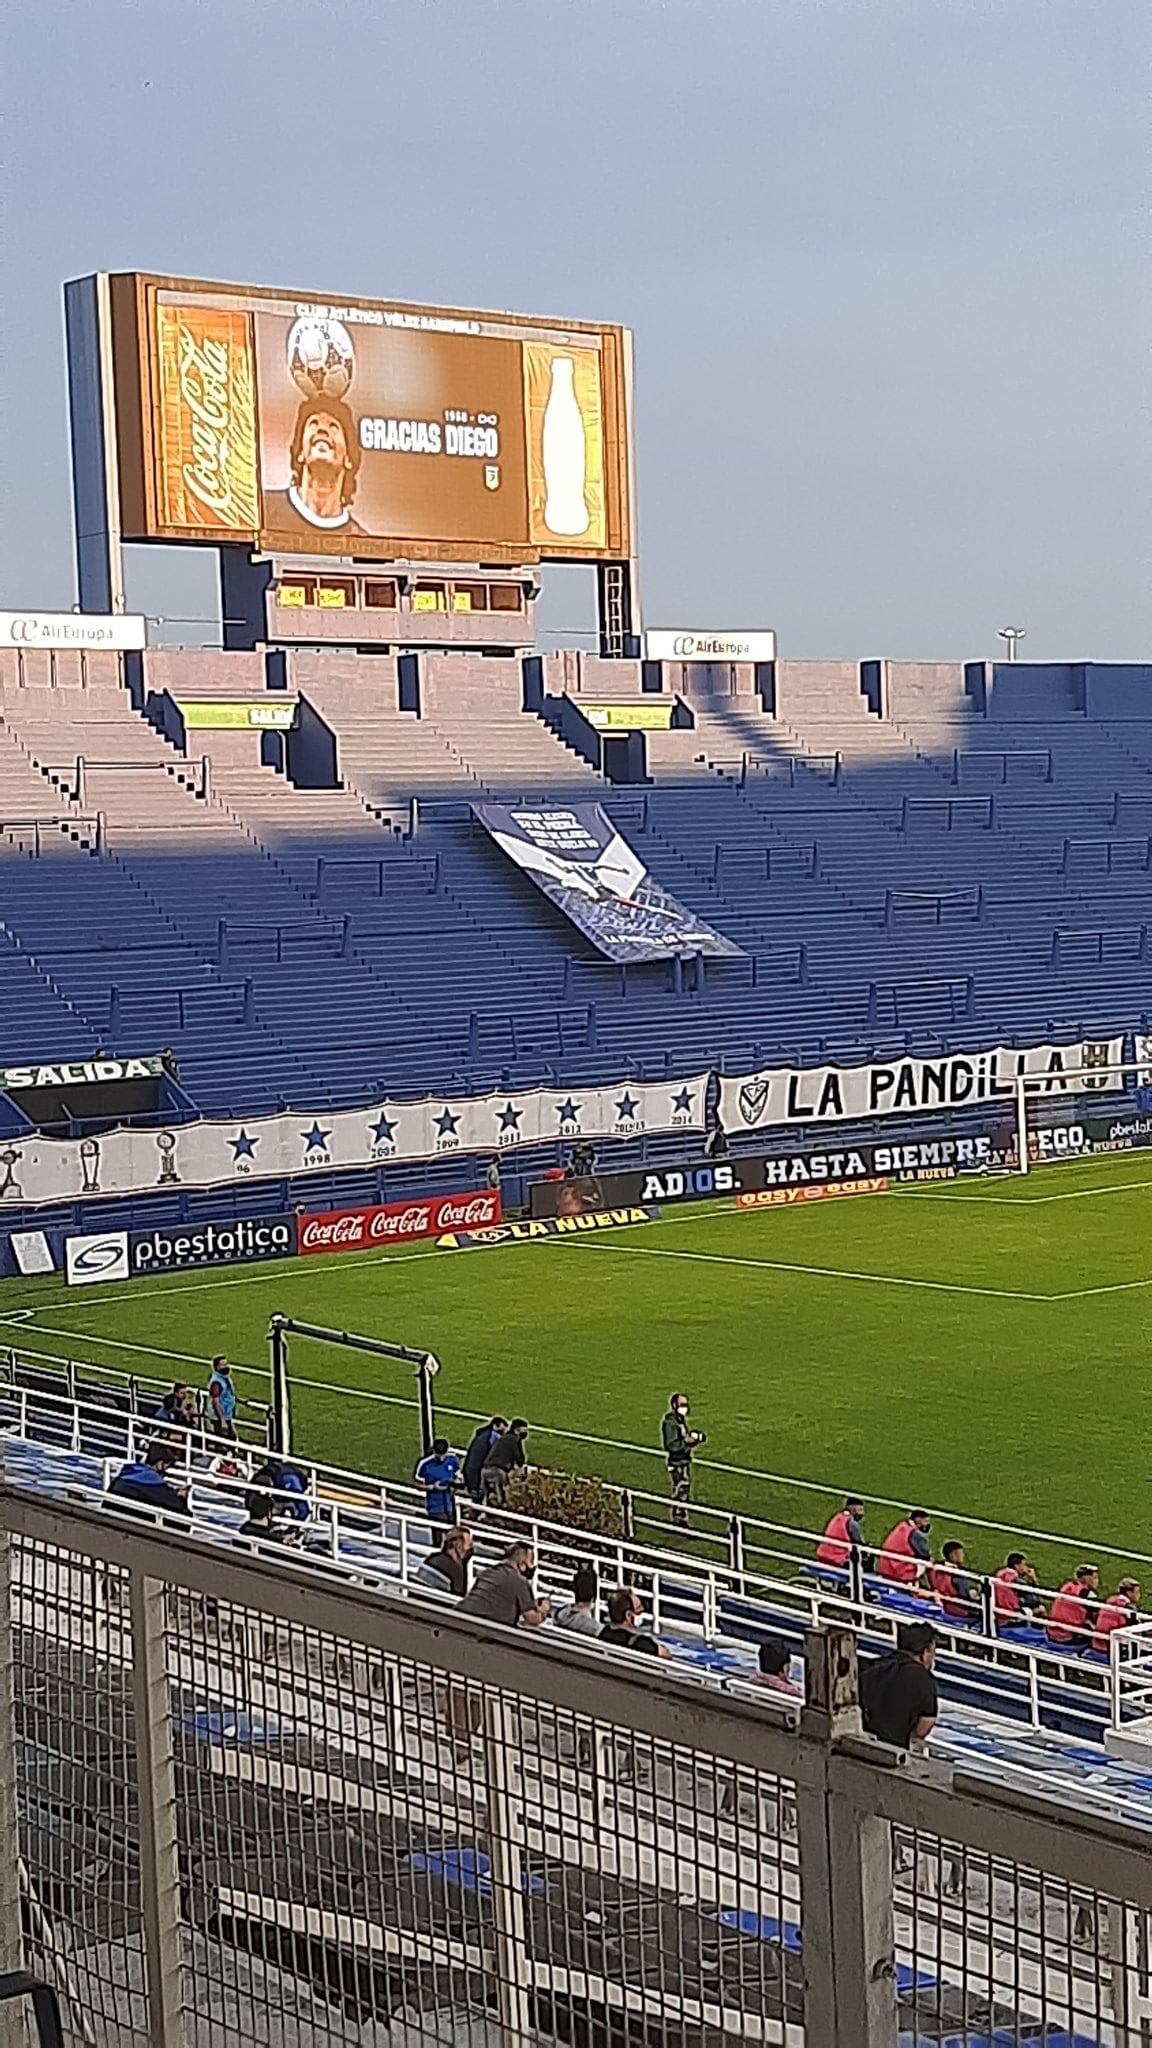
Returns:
(576, 856)
(206, 1154)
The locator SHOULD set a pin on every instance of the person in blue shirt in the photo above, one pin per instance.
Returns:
(145, 1481)
(287, 1488)
(438, 1474)
(222, 1398)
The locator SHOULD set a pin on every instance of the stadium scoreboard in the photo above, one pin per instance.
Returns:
(295, 422)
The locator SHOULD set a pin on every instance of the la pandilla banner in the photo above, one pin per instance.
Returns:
(954, 1081)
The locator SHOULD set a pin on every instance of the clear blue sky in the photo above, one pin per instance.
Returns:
(887, 262)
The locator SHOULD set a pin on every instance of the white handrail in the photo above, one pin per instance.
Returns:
(684, 1597)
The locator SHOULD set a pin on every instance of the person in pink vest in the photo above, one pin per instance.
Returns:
(1015, 1599)
(1118, 1611)
(1072, 1615)
(906, 1552)
(845, 1533)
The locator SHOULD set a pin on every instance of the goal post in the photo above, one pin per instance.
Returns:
(280, 1328)
(1082, 1111)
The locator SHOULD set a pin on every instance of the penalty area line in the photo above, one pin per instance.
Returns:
(647, 1251)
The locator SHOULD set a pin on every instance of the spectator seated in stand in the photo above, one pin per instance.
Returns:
(843, 1534)
(1072, 1615)
(178, 1408)
(898, 1697)
(504, 1593)
(621, 1628)
(284, 1485)
(1120, 1610)
(146, 1483)
(578, 1615)
(906, 1553)
(952, 1586)
(261, 1525)
(1016, 1601)
(448, 1569)
(774, 1659)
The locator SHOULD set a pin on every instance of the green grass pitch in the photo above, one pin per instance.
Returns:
(978, 1345)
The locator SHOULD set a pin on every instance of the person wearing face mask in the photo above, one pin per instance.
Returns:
(679, 1443)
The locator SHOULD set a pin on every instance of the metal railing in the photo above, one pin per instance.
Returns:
(713, 1591)
(93, 822)
(194, 774)
(239, 1803)
(1117, 855)
(952, 810)
(792, 768)
(1005, 759)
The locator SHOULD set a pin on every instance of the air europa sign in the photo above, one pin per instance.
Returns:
(676, 645)
(116, 632)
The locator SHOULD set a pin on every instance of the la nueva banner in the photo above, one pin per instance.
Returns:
(210, 1154)
(579, 860)
(825, 1095)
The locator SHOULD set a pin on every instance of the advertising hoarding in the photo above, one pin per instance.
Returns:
(367, 428)
(127, 1254)
(631, 717)
(750, 1177)
(349, 1230)
(215, 716)
(110, 632)
(673, 643)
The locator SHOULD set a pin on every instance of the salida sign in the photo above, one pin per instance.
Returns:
(349, 1230)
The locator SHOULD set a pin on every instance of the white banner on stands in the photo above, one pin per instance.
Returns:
(35, 1170)
(827, 1095)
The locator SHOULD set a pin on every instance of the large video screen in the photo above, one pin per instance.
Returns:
(366, 428)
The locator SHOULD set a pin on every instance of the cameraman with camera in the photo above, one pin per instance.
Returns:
(679, 1443)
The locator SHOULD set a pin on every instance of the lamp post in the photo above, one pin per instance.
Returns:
(1012, 635)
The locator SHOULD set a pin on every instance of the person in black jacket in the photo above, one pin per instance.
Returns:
(475, 1457)
(148, 1485)
(506, 1456)
(898, 1696)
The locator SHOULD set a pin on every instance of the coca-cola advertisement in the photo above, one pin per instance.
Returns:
(350, 1230)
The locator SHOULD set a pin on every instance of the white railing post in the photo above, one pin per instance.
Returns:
(1022, 1122)
(11, 1943)
(1034, 1688)
(505, 1848)
(156, 1807)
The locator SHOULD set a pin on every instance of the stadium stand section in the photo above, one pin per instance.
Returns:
(1009, 1693)
(913, 856)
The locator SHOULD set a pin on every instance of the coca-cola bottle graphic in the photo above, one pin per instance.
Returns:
(565, 455)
